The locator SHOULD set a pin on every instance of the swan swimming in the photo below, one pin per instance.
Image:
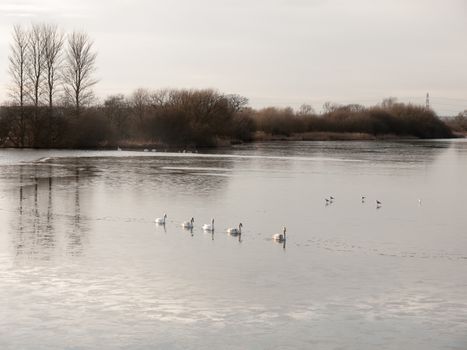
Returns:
(235, 231)
(280, 237)
(188, 224)
(209, 227)
(161, 221)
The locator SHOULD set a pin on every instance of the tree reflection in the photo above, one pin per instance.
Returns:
(44, 225)
(75, 239)
(34, 237)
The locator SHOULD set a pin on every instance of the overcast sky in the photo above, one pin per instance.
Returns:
(275, 52)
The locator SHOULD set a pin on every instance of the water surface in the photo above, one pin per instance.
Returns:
(83, 266)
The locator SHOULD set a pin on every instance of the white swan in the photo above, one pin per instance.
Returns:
(188, 224)
(235, 231)
(280, 237)
(209, 227)
(161, 221)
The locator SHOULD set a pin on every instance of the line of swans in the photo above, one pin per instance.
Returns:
(237, 231)
(234, 231)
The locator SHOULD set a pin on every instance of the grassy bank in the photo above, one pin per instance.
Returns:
(327, 136)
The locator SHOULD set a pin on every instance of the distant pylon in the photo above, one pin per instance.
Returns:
(427, 101)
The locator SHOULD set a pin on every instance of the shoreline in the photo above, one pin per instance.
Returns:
(259, 137)
(329, 136)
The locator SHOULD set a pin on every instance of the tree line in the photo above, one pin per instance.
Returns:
(44, 62)
(52, 105)
(47, 69)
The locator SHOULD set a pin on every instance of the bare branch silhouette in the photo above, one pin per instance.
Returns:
(18, 75)
(79, 68)
(53, 45)
(18, 65)
(36, 63)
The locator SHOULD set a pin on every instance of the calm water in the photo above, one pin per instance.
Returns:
(83, 266)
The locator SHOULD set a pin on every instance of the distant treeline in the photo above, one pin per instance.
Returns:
(168, 117)
(52, 105)
(197, 118)
(458, 124)
(386, 119)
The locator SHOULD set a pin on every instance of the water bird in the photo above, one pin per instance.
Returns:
(280, 237)
(363, 199)
(161, 221)
(209, 227)
(327, 201)
(235, 231)
(378, 204)
(188, 224)
(419, 202)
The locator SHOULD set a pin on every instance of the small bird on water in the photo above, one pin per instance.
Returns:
(280, 237)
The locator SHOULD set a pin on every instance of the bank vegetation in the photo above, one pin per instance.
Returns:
(52, 105)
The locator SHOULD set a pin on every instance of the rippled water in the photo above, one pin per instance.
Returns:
(83, 266)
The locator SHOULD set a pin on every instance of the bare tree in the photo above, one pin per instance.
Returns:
(53, 44)
(237, 103)
(159, 98)
(389, 102)
(329, 107)
(140, 100)
(17, 71)
(36, 62)
(305, 110)
(79, 68)
(116, 107)
(18, 65)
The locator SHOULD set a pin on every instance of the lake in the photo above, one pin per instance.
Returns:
(84, 266)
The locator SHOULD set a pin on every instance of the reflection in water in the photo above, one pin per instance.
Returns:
(75, 244)
(49, 203)
(189, 229)
(20, 238)
(159, 226)
(38, 223)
